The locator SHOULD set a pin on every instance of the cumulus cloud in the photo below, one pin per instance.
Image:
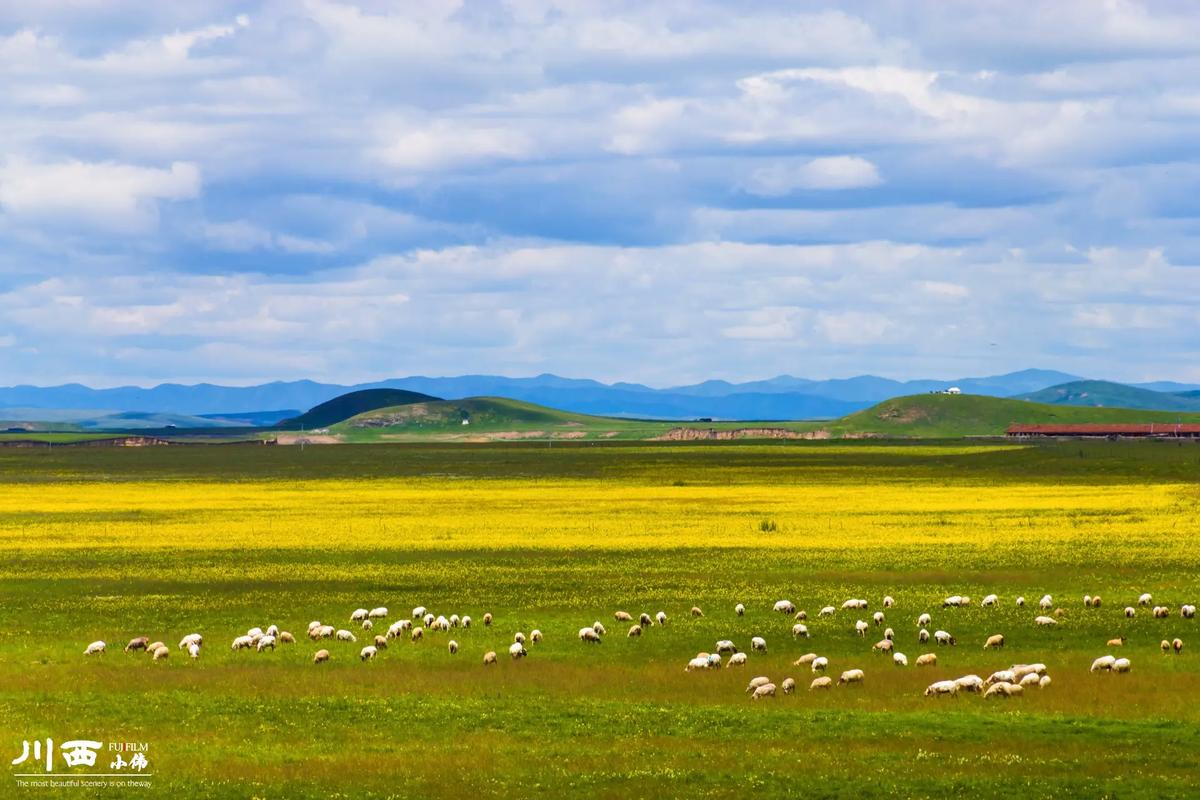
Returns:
(832, 172)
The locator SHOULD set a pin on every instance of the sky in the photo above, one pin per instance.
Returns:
(659, 192)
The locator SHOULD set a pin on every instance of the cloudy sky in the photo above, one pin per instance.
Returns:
(660, 192)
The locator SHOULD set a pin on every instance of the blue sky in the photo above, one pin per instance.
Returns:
(660, 192)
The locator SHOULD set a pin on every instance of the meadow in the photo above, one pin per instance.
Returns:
(115, 543)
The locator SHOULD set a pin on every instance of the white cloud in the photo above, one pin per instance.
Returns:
(832, 172)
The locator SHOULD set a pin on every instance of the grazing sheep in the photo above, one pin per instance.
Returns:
(761, 680)
(589, 636)
(1004, 690)
(788, 685)
(161, 653)
(990, 601)
(1102, 664)
(1166, 646)
(623, 616)
(195, 638)
(96, 649)
(194, 650)
(519, 637)
(697, 663)
(381, 642)
(1187, 611)
(953, 601)
(242, 643)
(286, 638)
(417, 634)
(1045, 603)
(1020, 602)
(927, 660)
(714, 660)
(740, 610)
(266, 642)
(1119, 642)
(1145, 599)
(851, 676)
(860, 628)
(1122, 665)
(889, 634)
(367, 653)
(359, 614)
(939, 688)
(970, 683)
(923, 636)
(137, 644)
(517, 650)
(882, 646)
(1045, 621)
(1044, 681)
(784, 607)
(535, 636)
(316, 623)
(899, 659)
(150, 648)
(801, 616)
(696, 612)
(805, 659)
(419, 612)
(827, 611)
(367, 625)
(766, 690)
(487, 620)
(994, 641)
(1130, 612)
(441, 624)
(855, 603)
(878, 617)
(345, 636)
(758, 644)
(824, 682)
(1001, 676)
(736, 660)
(1161, 612)
(924, 621)
(378, 613)
(888, 602)
(726, 646)
(799, 629)
(820, 664)
(661, 618)
(1087, 601)
(454, 620)
(321, 656)
(1021, 670)
(325, 632)
(944, 638)
(1177, 646)
(1096, 601)
(273, 630)
(466, 621)
(396, 628)
(1059, 613)
(452, 647)
(598, 628)
(489, 657)
(634, 631)
(1032, 679)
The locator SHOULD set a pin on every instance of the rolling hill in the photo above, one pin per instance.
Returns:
(1105, 394)
(345, 406)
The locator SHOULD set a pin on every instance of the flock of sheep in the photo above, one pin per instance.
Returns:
(1002, 683)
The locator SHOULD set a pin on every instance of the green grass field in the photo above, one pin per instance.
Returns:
(110, 544)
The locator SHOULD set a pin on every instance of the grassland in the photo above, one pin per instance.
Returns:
(110, 544)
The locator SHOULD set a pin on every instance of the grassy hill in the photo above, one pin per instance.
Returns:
(1105, 394)
(942, 415)
(345, 406)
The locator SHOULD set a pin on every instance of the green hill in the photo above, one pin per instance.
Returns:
(1105, 394)
(943, 415)
(345, 406)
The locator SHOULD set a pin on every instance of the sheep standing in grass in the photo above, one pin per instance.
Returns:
(860, 628)
(1045, 622)
(969, 683)
(804, 660)
(634, 631)
(736, 660)
(487, 620)
(661, 618)
(995, 641)
(452, 646)
(417, 634)
(535, 636)
(889, 634)
(1145, 600)
(195, 638)
(589, 636)
(740, 610)
(161, 653)
(1119, 642)
(878, 618)
(899, 659)
(419, 612)
(766, 690)
(466, 621)
(696, 612)
(882, 646)
(345, 636)
(316, 623)
(1130, 612)
(96, 648)
(799, 630)
(1102, 664)
(367, 625)
(137, 644)
(623, 616)
(990, 601)
(923, 636)
(758, 644)
(194, 650)
(726, 646)
(784, 607)
(1001, 676)
(888, 602)
(698, 663)
(1187, 611)
(1165, 646)
(851, 676)
(1046, 603)
(359, 615)
(1020, 602)
(489, 658)
(150, 648)
(286, 638)
(378, 613)
(1122, 665)
(788, 685)
(1177, 646)
(1044, 681)
(820, 664)
(321, 656)
(242, 643)
(924, 621)
(761, 680)
(942, 688)
(927, 660)
(824, 682)
(516, 650)
(265, 643)
(827, 611)
(519, 637)
(599, 628)
(944, 638)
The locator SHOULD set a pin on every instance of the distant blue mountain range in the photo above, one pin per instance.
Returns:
(782, 397)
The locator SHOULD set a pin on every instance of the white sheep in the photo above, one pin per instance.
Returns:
(1161, 612)
(398, 627)
(824, 682)
(427, 620)
(378, 613)
(758, 644)
(535, 636)
(316, 623)
(820, 664)
(454, 620)
(516, 650)
(1021, 670)
(645, 620)
(923, 636)
(367, 653)
(927, 660)
(359, 615)
(419, 612)
(761, 680)
(788, 685)
(969, 683)
(321, 656)
(272, 630)
(860, 628)
(878, 617)
(599, 628)
(194, 650)
(195, 638)
(924, 621)
(899, 659)
(697, 663)
(242, 643)
(855, 603)
(634, 631)
(1188, 611)
(466, 621)
(939, 688)
(726, 646)
(990, 601)
(489, 657)
(800, 629)
(1020, 602)
(736, 660)
(827, 611)
(266, 642)
(1005, 690)
(441, 624)
(784, 607)
(714, 660)
(766, 690)
(888, 602)
(487, 620)
(417, 634)
(161, 653)
(882, 646)
(367, 625)
(452, 646)
(851, 676)
(943, 638)
(1145, 600)
(345, 636)
(623, 616)
(805, 659)
(1103, 664)
(740, 610)
(1001, 676)
(519, 637)
(589, 636)
(996, 640)
(1032, 679)
(1130, 612)
(96, 648)
(661, 618)
(889, 634)
(1045, 622)
(1044, 681)
(953, 601)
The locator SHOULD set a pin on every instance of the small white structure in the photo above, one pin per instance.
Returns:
(954, 390)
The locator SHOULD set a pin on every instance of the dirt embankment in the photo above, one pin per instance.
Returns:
(713, 434)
